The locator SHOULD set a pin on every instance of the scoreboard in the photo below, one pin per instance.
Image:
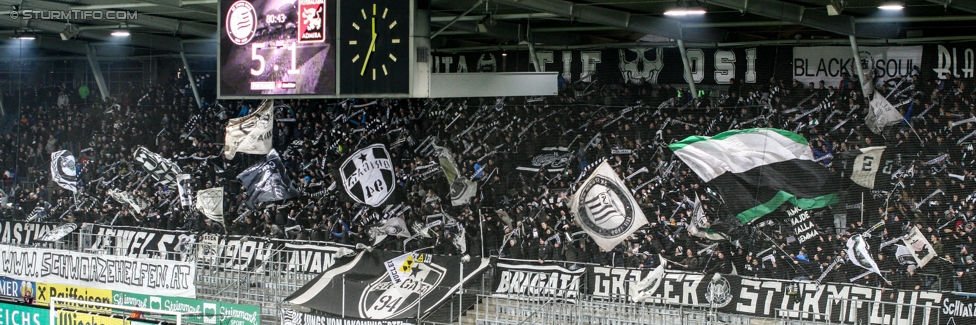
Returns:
(321, 49)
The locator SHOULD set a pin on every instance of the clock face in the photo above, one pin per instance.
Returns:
(375, 47)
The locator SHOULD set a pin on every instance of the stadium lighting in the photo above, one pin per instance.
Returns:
(835, 7)
(682, 9)
(891, 5)
(23, 35)
(684, 12)
(123, 30)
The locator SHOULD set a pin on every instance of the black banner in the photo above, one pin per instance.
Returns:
(637, 65)
(22, 232)
(780, 298)
(240, 253)
(537, 280)
(955, 59)
(141, 242)
(364, 284)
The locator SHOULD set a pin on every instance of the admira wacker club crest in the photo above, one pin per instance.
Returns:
(367, 175)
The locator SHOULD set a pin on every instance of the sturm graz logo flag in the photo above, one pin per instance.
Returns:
(63, 170)
(367, 175)
(605, 209)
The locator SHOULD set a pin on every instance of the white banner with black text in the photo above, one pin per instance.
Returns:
(144, 276)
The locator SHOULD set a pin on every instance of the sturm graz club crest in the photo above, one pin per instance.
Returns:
(605, 209)
(384, 300)
(367, 175)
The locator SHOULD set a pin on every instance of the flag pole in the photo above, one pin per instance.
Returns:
(862, 206)
(481, 232)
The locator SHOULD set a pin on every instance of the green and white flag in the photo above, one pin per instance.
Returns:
(757, 170)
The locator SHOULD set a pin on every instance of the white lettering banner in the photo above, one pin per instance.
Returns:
(144, 276)
(827, 63)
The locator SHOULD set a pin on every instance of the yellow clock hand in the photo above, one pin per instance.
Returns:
(368, 52)
(372, 45)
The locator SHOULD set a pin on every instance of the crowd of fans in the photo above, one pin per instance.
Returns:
(519, 214)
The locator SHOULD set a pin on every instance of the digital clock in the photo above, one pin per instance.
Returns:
(275, 19)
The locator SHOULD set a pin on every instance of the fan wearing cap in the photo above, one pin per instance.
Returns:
(911, 280)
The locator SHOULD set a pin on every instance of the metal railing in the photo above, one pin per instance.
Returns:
(268, 281)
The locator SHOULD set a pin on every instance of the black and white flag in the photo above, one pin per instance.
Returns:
(868, 163)
(267, 181)
(462, 189)
(162, 170)
(56, 233)
(367, 175)
(857, 252)
(394, 226)
(210, 202)
(881, 114)
(369, 293)
(136, 203)
(605, 209)
(551, 159)
(63, 170)
(921, 249)
(699, 225)
(185, 191)
(250, 134)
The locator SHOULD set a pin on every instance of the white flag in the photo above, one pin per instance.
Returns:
(211, 203)
(881, 114)
(605, 209)
(251, 133)
(857, 252)
(645, 287)
(921, 249)
(400, 267)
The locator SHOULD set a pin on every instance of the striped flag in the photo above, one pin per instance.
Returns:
(757, 170)
(605, 209)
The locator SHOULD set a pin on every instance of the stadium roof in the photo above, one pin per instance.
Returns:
(169, 26)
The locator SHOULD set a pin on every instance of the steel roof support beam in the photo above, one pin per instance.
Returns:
(193, 82)
(621, 19)
(866, 88)
(97, 71)
(967, 6)
(797, 14)
(687, 64)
